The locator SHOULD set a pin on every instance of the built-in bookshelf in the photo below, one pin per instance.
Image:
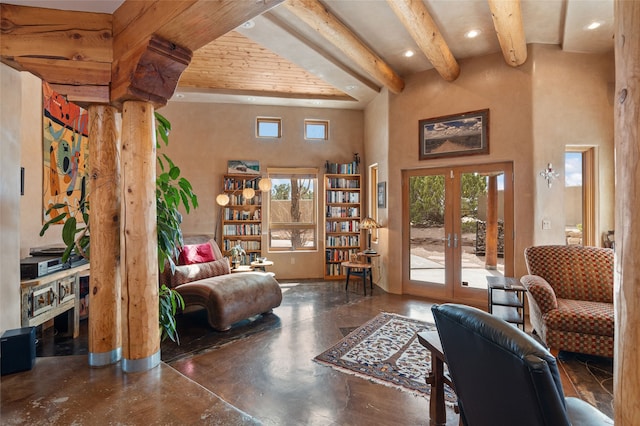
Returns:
(343, 209)
(242, 217)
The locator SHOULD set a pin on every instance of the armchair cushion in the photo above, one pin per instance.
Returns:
(197, 271)
(580, 316)
(574, 272)
(541, 291)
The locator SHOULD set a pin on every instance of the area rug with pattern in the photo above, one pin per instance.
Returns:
(386, 350)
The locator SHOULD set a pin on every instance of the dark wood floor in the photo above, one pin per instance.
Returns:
(260, 372)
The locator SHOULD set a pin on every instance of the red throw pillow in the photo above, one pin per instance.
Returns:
(196, 253)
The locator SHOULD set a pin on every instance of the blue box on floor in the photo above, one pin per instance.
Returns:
(17, 350)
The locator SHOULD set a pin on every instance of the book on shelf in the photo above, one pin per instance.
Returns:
(334, 196)
(343, 183)
(342, 169)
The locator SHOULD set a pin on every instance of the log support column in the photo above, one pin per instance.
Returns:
(626, 374)
(491, 238)
(105, 343)
(140, 300)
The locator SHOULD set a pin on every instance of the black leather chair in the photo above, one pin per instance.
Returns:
(502, 375)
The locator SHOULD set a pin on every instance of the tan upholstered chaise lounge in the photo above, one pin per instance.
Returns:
(228, 298)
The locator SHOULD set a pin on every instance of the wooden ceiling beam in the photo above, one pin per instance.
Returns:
(190, 24)
(60, 71)
(83, 95)
(507, 20)
(154, 41)
(58, 34)
(416, 19)
(318, 17)
(71, 50)
(149, 73)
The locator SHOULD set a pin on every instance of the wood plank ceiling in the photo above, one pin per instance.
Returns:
(235, 63)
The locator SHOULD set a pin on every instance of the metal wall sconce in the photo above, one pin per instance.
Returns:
(549, 174)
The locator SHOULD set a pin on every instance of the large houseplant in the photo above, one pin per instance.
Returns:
(171, 191)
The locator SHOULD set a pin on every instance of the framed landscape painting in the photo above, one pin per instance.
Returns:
(243, 167)
(453, 135)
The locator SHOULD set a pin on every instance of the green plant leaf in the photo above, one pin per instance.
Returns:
(44, 228)
(58, 218)
(56, 207)
(69, 231)
(168, 160)
(174, 172)
(185, 201)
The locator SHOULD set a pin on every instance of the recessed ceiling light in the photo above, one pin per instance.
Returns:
(351, 87)
(251, 99)
(472, 33)
(179, 96)
(248, 25)
(409, 53)
(594, 25)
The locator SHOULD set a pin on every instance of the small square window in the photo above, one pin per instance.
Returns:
(268, 127)
(316, 130)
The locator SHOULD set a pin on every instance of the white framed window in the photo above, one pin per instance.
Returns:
(317, 130)
(268, 127)
(293, 210)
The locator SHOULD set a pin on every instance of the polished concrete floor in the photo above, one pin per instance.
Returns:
(261, 372)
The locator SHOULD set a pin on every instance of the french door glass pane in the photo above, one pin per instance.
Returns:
(481, 218)
(427, 232)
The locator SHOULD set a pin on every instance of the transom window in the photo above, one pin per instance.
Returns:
(316, 130)
(293, 209)
(268, 127)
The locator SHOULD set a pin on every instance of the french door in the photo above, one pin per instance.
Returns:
(458, 229)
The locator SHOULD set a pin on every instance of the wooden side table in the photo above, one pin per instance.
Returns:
(506, 299)
(362, 270)
(436, 378)
(261, 265)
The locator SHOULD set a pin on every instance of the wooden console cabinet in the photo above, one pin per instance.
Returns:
(46, 297)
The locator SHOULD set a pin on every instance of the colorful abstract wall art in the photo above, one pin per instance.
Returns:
(65, 153)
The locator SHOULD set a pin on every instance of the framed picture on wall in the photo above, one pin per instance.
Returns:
(243, 167)
(382, 194)
(454, 135)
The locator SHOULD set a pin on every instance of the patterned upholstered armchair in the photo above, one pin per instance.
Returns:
(570, 293)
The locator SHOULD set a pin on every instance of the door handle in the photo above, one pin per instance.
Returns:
(448, 240)
(455, 240)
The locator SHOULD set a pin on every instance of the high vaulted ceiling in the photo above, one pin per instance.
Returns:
(345, 51)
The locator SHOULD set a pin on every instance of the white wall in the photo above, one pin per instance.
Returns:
(572, 105)
(31, 158)
(376, 150)
(10, 89)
